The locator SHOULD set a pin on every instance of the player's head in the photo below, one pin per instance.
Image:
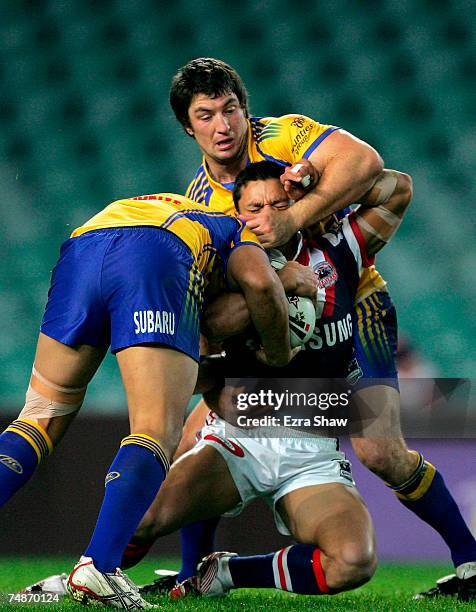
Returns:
(207, 76)
(210, 101)
(257, 186)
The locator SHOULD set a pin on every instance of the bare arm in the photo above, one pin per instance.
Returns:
(248, 267)
(382, 209)
(228, 314)
(348, 168)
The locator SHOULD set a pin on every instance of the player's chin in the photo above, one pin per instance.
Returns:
(226, 154)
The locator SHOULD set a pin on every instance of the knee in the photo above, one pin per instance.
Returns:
(146, 530)
(354, 565)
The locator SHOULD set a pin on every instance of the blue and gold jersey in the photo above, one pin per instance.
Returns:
(207, 233)
(284, 140)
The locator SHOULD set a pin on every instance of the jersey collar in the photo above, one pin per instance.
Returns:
(228, 187)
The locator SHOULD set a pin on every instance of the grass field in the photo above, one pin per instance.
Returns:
(390, 590)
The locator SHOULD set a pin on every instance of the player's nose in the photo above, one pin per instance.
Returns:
(222, 124)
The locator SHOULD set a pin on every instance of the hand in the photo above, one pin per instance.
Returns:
(299, 178)
(299, 280)
(272, 227)
(276, 363)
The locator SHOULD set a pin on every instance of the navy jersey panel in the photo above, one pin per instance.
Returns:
(126, 286)
(329, 351)
(375, 340)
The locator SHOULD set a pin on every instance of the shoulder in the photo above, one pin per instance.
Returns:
(266, 127)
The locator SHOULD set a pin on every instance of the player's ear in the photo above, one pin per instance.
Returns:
(189, 131)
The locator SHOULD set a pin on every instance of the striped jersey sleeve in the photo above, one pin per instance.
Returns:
(356, 242)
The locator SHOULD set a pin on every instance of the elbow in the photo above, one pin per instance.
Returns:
(263, 285)
(372, 163)
(368, 163)
(404, 192)
(407, 187)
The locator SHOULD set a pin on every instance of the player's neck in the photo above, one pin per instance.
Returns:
(225, 172)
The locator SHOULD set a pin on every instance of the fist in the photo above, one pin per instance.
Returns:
(299, 178)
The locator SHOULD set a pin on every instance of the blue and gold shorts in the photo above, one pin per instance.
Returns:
(125, 286)
(375, 340)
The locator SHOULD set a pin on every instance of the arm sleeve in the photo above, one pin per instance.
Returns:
(289, 138)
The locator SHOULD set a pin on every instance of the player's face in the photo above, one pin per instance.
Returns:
(219, 126)
(257, 195)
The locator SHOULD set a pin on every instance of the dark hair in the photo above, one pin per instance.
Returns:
(208, 76)
(258, 171)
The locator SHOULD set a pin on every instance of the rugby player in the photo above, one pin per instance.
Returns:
(133, 277)
(303, 477)
(210, 101)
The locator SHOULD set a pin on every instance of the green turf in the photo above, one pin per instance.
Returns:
(390, 590)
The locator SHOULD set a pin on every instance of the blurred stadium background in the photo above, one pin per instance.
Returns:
(84, 119)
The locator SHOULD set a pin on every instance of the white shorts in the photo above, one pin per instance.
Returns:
(273, 467)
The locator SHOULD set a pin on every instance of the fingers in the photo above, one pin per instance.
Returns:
(257, 224)
(298, 173)
(299, 178)
(263, 227)
(294, 191)
(270, 226)
(295, 351)
(261, 356)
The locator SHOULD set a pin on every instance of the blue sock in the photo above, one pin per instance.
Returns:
(197, 541)
(22, 446)
(132, 482)
(425, 493)
(295, 568)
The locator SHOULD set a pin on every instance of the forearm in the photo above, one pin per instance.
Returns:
(393, 190)
(383, 207)
(345, 178)
(268, 310)
(226, 316)
(288, 279)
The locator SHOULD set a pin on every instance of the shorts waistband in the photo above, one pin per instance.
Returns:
(129, 229)
(325, 442)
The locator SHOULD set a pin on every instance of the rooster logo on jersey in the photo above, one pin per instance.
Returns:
(326, 274)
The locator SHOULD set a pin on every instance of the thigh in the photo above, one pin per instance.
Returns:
(67, 366)
(194, 423)
(327, 515)
(198, 486)
(159, 383)
(61, 375)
